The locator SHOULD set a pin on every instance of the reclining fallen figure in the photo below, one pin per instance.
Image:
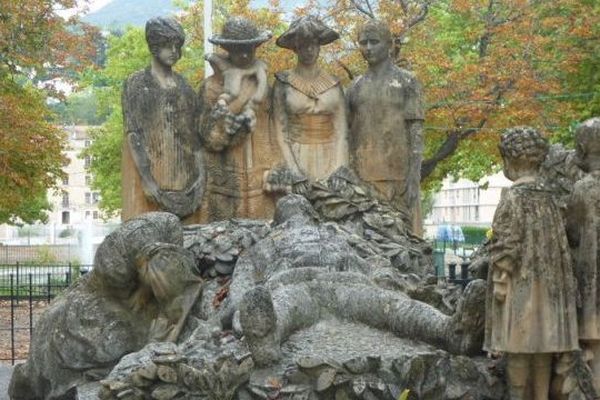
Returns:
(303, 272)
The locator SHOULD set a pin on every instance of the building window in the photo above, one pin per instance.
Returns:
(65, 199)
(96, 215)
(476, 213)
(66, 217)
(65, 180)
(87, 161)
(88, 198)
(88, 214)
(88, 180)
(87, 143)
(95, 198)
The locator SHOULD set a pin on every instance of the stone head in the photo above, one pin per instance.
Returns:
(293, 206)
(587, 137)
(375, 42)
(305, 37)
(165, 37)
(523, 150)
(240, 37)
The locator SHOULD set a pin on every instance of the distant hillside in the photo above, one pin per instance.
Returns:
(120, 13)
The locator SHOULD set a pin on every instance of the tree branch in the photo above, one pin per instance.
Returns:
(368, 12)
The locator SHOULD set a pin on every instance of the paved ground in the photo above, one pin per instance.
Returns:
(5, 373)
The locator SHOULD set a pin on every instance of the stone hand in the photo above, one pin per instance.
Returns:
(500, 281)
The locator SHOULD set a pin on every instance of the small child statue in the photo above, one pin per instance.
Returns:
(530, 311)
(583, 228)
(245, 83)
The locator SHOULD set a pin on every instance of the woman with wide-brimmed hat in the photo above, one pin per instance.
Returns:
(234, 125)
(308, 115)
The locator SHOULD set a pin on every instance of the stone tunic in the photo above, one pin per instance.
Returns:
(584, 229)
(164, 120)
(310, 116)
(381, 149)
(236, 165)
(538, 314)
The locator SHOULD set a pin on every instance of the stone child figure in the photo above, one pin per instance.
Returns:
(163, 166)
(234, 126)
(385, 118)
(583, 227)
(233, 76)
(530, 310)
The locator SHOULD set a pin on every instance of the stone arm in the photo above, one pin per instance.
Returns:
(414, 128)
(575, 216)
(278, 124)
(340, 126)
(262, 87)
(505, 247)
(142, 162)
(210, 122)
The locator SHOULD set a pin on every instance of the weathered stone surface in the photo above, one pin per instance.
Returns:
(163, 163)
(386, 116)
(234, 127)
(113, 310)
(307, 113)
(531, 311)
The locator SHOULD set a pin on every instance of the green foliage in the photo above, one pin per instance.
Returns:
(80, 108)
(45, 256)
(474, 234)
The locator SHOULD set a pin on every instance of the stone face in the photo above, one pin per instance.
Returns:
(113, 310)
(308, 113)
(234, 127)
(385, 118)
(163, 165)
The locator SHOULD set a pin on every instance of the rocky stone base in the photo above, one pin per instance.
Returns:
(331, 360)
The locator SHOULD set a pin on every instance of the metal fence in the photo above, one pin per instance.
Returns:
(25, 290)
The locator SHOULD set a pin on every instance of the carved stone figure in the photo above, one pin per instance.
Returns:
(302, 272)
(163, 166)
(530, 312)
(234, 126)
(308, 114)
(583, 223)
(141, 289)
(385, 119)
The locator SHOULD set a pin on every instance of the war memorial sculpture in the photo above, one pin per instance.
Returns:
(294, 271)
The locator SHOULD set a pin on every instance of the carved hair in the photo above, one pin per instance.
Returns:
(524, 143)
(587, 136)
(163, 30)
(378, 27)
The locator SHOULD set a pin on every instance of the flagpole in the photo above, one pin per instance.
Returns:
(208, 47)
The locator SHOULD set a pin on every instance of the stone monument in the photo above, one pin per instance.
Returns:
(308, 113)
(583, 223)
(530, 312)
(386, 121)
(162, 162)
(234, 126)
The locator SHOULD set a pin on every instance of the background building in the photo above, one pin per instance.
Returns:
(75, 225)
(466, 203)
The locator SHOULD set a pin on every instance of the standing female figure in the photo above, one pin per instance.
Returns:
(308, 115)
